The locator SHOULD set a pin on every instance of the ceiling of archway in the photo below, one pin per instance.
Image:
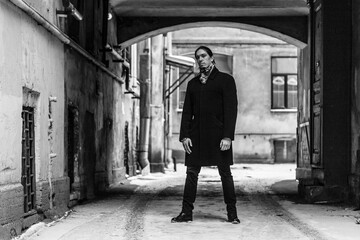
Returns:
(209, 8)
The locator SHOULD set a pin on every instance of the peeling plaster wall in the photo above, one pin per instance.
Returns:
(29, 57)
(104, 109)
(92, 93)
(31, 60)
(125, 109)
(257, 125)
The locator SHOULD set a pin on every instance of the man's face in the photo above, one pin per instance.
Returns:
(203, 59)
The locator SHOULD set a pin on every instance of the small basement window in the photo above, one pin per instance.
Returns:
(285, 151)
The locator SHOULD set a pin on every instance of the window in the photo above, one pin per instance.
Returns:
(28, 159)
(284, 82)
(285, 151)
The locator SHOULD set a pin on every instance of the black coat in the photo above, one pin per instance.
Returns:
(209, 115)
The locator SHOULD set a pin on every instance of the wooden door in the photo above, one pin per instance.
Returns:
(317, 82)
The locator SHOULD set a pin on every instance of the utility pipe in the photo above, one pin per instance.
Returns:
(144, 124)
(144, 113)
(32, 12)
(117, 56)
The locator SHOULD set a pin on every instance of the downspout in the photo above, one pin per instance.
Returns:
(144, 126)
(145, 110)
(62, 36)
(166, 102)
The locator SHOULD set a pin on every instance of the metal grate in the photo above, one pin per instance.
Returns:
(127, 148)
(28, 158)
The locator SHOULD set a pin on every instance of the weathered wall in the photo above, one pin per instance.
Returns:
(355, 111)
(46, 8)
(304, 128)
(35, 66)
(125, 109)
(156, 144)
(30, 59)
(257, 125)
(104, 112)
(88, 90)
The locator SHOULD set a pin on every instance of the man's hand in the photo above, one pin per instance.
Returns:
(225, 144)
(187, 144)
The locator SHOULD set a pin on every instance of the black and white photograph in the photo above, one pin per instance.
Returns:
(179, 119)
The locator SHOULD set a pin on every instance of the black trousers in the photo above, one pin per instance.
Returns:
(227, 181)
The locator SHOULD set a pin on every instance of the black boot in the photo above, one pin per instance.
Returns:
(233, 219)
(232, 216)
(183, 217)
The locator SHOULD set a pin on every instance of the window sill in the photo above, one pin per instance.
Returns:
(284, 110)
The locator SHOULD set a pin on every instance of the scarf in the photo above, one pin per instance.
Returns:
(205, 73)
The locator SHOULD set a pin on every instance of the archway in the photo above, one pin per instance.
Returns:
(292, 30)
(266, 129)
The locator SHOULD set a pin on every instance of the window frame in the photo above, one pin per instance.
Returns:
(286, 76)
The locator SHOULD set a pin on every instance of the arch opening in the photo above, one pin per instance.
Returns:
(267, 82)
(263, 30)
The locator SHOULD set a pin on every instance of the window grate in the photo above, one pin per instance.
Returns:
(127, 148)
(28, 158)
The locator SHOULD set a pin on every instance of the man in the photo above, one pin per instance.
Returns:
(207, 129)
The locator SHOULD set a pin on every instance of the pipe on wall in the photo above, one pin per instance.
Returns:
(144, 125)
(62, 36)
(117, 56)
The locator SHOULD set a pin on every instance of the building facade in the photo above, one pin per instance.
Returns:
(265, 71)
(72, 123)
(68, 128)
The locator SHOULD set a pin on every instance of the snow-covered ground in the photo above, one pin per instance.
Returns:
(141, 208)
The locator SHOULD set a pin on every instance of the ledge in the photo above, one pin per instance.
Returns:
(283, 110)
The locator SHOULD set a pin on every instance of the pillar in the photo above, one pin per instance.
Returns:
(156, 145)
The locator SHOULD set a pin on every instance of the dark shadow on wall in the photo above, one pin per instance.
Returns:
(89, 155)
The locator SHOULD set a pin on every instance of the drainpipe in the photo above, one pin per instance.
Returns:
(145, 95)
(117, 56)
(166, 102)
(62, 36)
(144, 126)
